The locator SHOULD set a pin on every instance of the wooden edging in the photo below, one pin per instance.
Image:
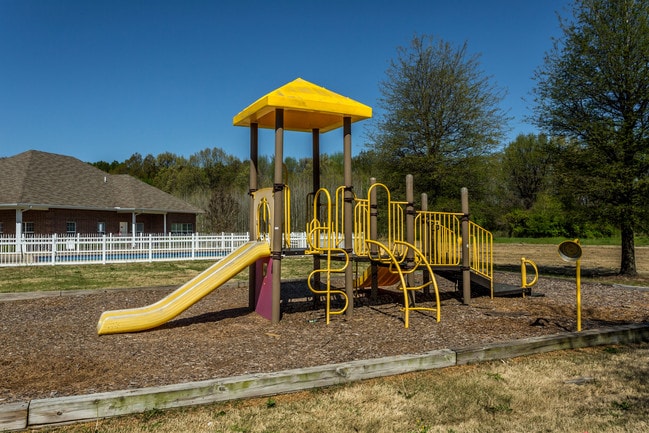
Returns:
(50, 411)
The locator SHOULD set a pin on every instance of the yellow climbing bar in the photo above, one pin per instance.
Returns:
(322, 239)
(397, 266)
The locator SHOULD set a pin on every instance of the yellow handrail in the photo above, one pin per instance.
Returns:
(439, 237)
(481, 250)
(396, 266)
(524, 283)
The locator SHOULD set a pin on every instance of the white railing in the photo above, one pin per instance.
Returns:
(86, 249)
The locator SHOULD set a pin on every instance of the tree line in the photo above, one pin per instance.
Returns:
(515, 192)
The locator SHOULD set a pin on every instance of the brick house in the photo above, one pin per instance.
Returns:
(46, 193)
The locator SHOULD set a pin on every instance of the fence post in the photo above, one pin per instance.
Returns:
(103, 249)
(53, 249)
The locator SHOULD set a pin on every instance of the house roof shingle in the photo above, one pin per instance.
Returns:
(47, 180)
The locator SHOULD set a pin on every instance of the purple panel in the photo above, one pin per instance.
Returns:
(264, 288)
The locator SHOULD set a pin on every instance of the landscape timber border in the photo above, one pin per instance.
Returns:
(90, 407)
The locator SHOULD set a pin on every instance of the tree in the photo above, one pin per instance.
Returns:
(527, 163)
(222, 212)
(441, 113)
(593, 89)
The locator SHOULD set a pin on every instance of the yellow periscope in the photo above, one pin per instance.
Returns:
(151, 316)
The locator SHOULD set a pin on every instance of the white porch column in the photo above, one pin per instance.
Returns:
(133, 226)
(19, 230)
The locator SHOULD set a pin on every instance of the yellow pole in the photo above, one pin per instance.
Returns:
(579, 295)
(570, 251)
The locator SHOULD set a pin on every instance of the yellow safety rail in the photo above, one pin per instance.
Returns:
(524, 283)
(396, 265)
(481, 251)
(438, 234)
(321, 238)
(362, 219)
(439, 237)
(361, 226)
(263, 219)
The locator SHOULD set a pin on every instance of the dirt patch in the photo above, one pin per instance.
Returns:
(50, 346)
(600, 262)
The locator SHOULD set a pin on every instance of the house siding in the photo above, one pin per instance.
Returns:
(54, 221)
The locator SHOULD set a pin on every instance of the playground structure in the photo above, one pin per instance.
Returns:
(343, 229)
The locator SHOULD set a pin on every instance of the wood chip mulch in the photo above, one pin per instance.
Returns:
(49, 346)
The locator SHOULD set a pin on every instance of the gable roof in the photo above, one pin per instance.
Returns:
(46, 180)
(306, 106)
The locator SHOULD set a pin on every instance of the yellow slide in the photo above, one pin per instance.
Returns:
(142, 318)
(384, 276)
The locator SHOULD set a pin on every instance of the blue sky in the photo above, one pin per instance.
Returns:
(102, 80)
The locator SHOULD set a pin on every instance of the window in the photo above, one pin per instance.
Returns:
(28, 227)
(71, 227)
(182, 228)
(2, 229)
(101, 228)
(139, 228)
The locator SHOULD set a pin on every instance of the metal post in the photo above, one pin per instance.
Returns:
(252, 218)
(374, 291)
(316, 187)
(278, 215)
(349, 209)
(410, 231)
(425, 245)
(578, 298)
(466, 260)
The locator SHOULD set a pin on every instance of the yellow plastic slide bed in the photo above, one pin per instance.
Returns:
(151, 316)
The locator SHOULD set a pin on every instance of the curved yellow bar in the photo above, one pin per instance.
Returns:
(151, 316)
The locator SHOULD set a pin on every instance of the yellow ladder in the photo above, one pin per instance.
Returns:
(322, 239)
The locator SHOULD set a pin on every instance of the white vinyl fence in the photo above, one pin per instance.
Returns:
(86, 249)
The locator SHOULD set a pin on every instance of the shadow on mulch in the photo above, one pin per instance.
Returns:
(563, 271)
(211, 317)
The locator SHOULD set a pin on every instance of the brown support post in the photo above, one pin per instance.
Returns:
(278, 215)
(374, 293)
(316, 187)
(425, 245)
(466, 260)
(349, 210)
(252, 219)
(410, 227)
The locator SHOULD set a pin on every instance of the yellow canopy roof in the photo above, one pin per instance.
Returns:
(306, 107)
